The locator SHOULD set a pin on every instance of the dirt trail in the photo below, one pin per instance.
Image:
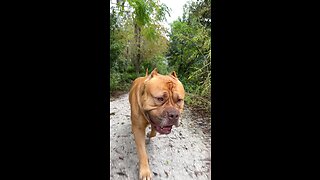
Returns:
(182, 155)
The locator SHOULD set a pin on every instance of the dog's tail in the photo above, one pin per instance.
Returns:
(147, 72)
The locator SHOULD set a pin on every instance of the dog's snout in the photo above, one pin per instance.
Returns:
(173, 115)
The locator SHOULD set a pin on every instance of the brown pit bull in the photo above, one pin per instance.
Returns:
(157, 100)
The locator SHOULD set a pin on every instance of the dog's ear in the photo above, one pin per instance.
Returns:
(147, 72)
(152, 74)
(174, 74)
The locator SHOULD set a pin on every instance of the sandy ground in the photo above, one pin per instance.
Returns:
(183, 154)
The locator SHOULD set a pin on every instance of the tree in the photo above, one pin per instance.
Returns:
(137, 39)
(190, 48)
(146, 17)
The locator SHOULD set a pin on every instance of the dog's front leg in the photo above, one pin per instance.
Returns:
(139, 137)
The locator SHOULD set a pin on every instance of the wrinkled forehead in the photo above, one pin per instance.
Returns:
(161, 85)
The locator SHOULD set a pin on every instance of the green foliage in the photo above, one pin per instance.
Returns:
(115, 80)
(142, 11)
(118, 63)
(190, 52)
(136, 32)
(146, 17)
(158, 62)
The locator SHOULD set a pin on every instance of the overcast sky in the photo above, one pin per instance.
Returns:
(176, 7)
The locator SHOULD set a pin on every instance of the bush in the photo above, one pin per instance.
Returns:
(115, 79)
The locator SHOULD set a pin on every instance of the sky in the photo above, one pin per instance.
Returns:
(176, 7)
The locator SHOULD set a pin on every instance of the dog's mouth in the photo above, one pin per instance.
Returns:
(164, 129)
(159, 127)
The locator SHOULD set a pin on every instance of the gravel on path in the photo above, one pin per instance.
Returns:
(184, 154)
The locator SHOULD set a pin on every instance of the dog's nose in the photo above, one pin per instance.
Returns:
(173, 115)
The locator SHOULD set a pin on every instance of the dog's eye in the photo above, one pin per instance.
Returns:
(180, 100)
(160, 99)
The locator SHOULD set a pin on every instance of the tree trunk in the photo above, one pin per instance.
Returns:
(138, 52)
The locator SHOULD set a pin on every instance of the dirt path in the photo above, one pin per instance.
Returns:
(182, 155)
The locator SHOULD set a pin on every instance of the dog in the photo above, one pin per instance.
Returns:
(157, 100)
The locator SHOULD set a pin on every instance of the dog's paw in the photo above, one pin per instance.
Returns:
(145, 174)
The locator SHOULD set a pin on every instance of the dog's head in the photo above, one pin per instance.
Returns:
(163, 100)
